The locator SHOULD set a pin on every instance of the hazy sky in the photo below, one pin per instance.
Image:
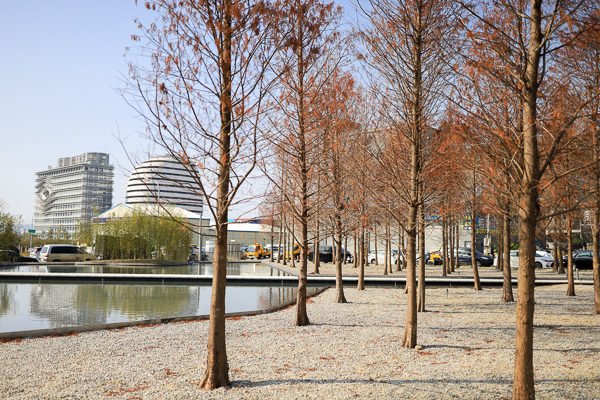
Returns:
(62, 62)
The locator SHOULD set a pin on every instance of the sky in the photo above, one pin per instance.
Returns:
(62, 65)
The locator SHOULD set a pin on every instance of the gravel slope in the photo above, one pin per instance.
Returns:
(350, 350)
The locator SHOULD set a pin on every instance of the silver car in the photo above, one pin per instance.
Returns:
(35, 252)
(63, 253)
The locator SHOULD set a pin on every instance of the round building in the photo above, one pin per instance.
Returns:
(165, 180)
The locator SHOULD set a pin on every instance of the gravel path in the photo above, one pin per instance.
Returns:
(349, 350)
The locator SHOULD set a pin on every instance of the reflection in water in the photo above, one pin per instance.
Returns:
(192, 269)
(7, 302)
(78, 305)
(42, 306)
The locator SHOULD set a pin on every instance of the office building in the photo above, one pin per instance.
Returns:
(76, 190)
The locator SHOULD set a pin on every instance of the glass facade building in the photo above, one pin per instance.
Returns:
(78, 189)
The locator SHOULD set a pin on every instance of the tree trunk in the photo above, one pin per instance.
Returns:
(355, 251)
(561, 264)
(385, 267)
(280, 235)
(316, 258)
(444, 252)
(570, 281)
(389, 247)
(361, 250)
(596, 220)
(555, 255)
(401, 249)
(272, 238)
(376, 255)
(410, 327)
(339, 284)
(292, 245)
(500, 259)
(451, 249)
(345, 249)
(456, 259)
(301, 313)
(217, 369)
(476, 280)
(596, 239)
(421, 285)
(507, 291)
(500, 262)
(523, 383)
(285, 240)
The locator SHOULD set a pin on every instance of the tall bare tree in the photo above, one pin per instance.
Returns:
(407, 47)
(202, 99)
(304, 65)
(520, 39)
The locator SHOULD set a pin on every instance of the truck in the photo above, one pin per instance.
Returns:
(257, 251)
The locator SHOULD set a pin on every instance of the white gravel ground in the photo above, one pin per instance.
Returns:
(349, 350)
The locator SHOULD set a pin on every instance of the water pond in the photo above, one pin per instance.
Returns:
(33, 306)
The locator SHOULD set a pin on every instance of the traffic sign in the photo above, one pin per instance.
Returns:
(31, 231)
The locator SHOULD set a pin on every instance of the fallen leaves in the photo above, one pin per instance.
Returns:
(120, 391)
(13, 339)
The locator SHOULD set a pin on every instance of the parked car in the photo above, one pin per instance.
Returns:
(427, 256)
(401, 258)
(583, 259)
(435, 258)
(35, 252)
(464, 258)
(543, 253)
(325, 254)
(381, 257)
(295, 251)
(194, 250)
(14, 257)
(63, 253)
(348, 255)
(274, 250)
(541, 260)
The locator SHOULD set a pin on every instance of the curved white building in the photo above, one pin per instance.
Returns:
(164, 179)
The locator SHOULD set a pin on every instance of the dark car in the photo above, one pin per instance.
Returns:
(325, 254)
(464, 258)
(349, 257)
(14, 257)
(582, 259)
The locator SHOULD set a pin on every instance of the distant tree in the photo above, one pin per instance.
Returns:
(583, 68)
(138, 235)
(337, 106)
(407, 49)
(311, 46)
(9, 227)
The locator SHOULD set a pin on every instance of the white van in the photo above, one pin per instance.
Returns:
(63, 253)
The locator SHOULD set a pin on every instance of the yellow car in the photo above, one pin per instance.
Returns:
(296, 251)
(435, 258)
